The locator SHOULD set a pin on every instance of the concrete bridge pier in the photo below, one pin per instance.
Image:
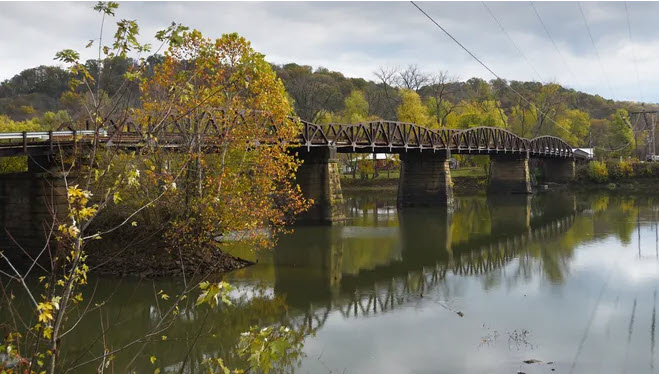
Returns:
(558, 170)
(320, 180)
(425, 180)
(28, 203)
(509, 174)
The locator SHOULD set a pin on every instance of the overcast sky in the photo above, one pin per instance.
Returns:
(357, 38)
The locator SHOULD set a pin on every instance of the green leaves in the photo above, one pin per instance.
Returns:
(212, 293)
(68, 56)
(106, 8)
(172, 34)
(125, 38)
(266, 347)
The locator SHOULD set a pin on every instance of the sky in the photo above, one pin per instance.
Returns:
(356, 38)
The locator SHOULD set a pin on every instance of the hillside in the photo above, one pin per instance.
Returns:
(435, 100)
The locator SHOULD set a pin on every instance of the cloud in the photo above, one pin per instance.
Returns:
(356, 38)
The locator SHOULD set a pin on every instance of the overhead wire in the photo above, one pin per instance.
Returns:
(631, 44)
(519, 51)
(487, 67)
(553, 42)
(592, 40)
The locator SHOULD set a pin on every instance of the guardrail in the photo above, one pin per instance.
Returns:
(45, 135)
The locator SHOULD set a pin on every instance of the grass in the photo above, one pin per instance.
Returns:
(472, 171)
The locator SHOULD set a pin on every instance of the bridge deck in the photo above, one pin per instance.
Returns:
(378, 136)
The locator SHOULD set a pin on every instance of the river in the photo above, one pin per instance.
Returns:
(569, 280)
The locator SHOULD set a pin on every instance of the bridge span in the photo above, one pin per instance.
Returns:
(425, 176)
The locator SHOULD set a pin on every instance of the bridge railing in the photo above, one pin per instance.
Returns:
(367, 136)
(399, 135)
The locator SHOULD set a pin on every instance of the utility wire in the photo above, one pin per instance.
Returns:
(553, 42)
(592, 40)
(519, 51)
(631, 44)
(487, 68)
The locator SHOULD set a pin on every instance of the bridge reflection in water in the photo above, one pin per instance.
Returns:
(383, 258)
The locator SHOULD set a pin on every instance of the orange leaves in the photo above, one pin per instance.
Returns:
(223, 99)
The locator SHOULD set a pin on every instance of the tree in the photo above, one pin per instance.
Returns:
(620, 135)
(550, 104)
(356, 108)
(521, 121)
(312, 93)
(438, 91)
(246, 187)
(385, 97)
(412, 78)
(412, 109)
(487, 113)
(579, 127)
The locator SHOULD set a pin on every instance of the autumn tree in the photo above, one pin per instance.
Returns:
(620, 135)
(412, 109)
(439, 91)
(486, 113)
(208, 96)
(356, 108)
(241, 110)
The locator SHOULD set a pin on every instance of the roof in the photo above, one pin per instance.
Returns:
(586, 152)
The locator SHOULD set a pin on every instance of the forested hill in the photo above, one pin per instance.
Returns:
(406, 94)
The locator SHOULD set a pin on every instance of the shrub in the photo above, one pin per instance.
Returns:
(646, 169)
(620, 169)
(626, 168)
(597, 172)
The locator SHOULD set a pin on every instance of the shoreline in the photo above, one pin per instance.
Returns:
(154, 264)
(461, 185)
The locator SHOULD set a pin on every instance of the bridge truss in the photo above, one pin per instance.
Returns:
(367, 137)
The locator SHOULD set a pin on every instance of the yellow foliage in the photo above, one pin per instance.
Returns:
(597, 172)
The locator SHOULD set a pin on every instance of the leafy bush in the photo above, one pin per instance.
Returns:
(620, 169)
(646, 169)
(16, 164)
(598, 172)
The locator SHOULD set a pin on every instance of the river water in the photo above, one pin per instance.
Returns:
(569, 280)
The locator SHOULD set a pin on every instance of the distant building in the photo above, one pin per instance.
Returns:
(587, 153)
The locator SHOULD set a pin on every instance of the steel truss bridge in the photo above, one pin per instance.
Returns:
(367, 137)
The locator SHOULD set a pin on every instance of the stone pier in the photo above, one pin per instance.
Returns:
(558, 170)
(28, 203)
(509, 174)
(320, 180)
(425, 180)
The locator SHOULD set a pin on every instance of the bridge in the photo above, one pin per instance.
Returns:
(425, 176)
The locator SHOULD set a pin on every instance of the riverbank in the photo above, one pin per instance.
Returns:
(461, 184)
(636, 184)
(154, 261)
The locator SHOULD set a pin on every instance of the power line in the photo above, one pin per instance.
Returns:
(592, 40)
(487, 68)
(512, 42)
(631, 43)
(553, 42)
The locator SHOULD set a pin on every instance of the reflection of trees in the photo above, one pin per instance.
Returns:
(471, 217)
(615, 214)
(132, 312)
(377, 263)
